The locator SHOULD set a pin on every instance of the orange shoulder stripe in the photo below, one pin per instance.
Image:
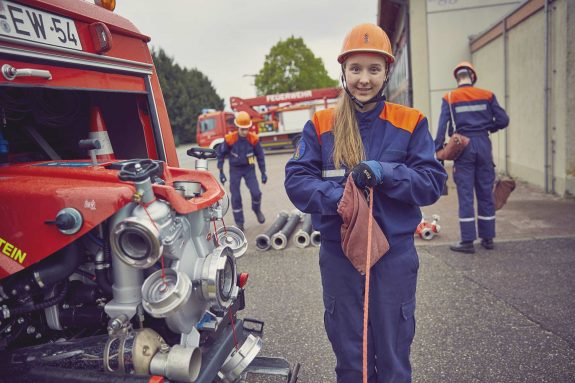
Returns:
(231, 138)
(467, 94)
(401, 116)
(323, 121)
(253, 138)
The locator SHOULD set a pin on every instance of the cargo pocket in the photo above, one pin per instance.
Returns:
(406, 330)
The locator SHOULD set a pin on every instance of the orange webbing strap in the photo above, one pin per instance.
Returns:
(366, 294)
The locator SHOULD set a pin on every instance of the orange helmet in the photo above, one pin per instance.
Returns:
(366, 38)
(243, 120)
(469, 67)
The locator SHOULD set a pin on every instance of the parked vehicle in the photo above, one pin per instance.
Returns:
(278, 118)
(115, 264)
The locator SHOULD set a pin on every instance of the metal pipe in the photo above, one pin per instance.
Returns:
(280, 239)
(302, 238)
(263, 241)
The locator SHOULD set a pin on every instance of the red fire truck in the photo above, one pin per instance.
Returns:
(278, 118)
(112, 265)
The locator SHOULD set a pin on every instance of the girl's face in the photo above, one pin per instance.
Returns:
(365, 75)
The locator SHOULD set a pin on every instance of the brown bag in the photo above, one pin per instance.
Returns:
(354, 212)
(457, 142)
(453, 148)
(501, 191)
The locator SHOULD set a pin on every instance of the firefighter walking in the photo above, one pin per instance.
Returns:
(243, 149)
(474, 113)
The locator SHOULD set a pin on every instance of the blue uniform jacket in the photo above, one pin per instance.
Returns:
(242, 151)
(475, 111)
(397, 136)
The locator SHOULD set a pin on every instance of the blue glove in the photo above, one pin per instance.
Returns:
(223, 178)
(367, 174)
(264, 178)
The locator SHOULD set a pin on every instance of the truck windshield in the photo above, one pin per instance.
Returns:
(39, 124)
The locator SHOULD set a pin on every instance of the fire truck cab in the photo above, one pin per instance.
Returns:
(112, 264)
(60, 59)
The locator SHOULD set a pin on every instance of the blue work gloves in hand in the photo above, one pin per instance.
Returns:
(223, 178)
(264, 178)
(367, 174)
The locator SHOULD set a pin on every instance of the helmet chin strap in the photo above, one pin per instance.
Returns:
(377, 98)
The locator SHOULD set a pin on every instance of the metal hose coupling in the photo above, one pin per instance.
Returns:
(280, 239)
(263, 241)
(302, 238)
(315, 238)
(240, 359)
(177, 363)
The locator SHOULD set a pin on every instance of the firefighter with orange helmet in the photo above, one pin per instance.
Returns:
(474, 113)
(386, 147)
(243, 149)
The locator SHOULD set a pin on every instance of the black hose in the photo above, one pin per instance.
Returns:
(103, 267)
(56, 268)
(306, 225)
(46, 273)
(37, 306)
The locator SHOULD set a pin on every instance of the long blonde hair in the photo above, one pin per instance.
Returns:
(347, 147)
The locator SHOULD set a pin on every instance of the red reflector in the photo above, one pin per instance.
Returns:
(101, 37)
(243, 279)
(156, 379)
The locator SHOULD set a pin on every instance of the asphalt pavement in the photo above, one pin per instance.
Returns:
(504, 315)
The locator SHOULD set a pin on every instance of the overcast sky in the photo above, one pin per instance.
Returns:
(227, 40)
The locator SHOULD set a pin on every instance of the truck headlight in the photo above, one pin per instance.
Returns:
(136, 242)
(219, 277)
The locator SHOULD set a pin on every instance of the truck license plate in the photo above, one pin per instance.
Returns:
(42, 27)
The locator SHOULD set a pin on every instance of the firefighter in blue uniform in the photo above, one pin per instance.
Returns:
(388, 147)
(475, 113)
(243, 149)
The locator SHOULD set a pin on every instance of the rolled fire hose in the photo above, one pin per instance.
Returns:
(302, 238)
(280, 239)
(263, 241)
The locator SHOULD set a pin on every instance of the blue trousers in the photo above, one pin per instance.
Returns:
(391, 324)
(474, 171)
(248, 173)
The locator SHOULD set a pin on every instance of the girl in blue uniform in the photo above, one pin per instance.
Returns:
(388, 147)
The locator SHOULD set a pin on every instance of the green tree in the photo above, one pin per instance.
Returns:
(186, 92)
(292, 66)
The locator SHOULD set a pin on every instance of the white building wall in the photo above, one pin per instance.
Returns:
(491, 63)
(535, 134)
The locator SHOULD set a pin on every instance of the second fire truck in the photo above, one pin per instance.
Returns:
(278, 118)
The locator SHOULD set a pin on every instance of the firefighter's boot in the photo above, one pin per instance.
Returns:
(463, 247)
(260, 216)
(487, 243)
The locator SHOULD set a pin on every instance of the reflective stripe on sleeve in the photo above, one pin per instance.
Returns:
(333, 173)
